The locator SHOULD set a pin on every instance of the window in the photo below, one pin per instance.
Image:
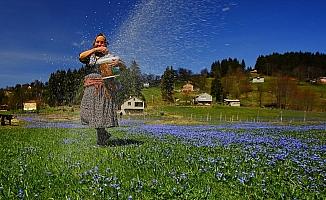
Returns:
(129, 103)
(138, 104)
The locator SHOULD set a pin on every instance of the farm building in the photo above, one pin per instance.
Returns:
(232, 102)
(187, 88)
(30, 106)
(253, 71)
(132, 105)
(322, 80)
(258, 80)
(4, 107)
(204, 99)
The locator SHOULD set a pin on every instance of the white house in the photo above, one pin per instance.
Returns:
(253, 71)
(132, 105)
(322, 80)
(30, 106)
(204, 99)
(232, 102)
(258, 80)
(4, 107)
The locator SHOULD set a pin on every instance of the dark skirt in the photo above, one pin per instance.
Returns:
(98, 106)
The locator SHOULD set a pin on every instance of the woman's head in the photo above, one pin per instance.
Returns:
(100, 40)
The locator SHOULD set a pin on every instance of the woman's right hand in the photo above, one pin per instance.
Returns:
(102, 49)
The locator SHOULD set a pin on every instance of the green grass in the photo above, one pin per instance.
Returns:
(153, 96)
(64, 164)
(61, 163)
(217, 114)
(5, 112)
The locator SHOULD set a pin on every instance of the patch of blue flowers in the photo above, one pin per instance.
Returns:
(266, 144)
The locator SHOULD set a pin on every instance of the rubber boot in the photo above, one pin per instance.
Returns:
(102, 136)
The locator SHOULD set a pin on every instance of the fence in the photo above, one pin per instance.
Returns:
(221, 117)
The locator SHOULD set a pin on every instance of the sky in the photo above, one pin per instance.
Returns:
(40, 37)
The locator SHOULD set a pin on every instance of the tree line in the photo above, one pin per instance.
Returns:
(65, 87)
(301, 65)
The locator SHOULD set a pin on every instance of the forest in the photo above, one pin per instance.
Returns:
(303, 66)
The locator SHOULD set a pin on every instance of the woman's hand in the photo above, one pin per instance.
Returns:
(84, 55)
(115, 62)
(101, 49)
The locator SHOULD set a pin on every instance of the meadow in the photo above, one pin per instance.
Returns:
(242, 160)
(217, 113)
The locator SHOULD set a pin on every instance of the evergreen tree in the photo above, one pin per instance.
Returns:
(216, 88)
(125, 86)
(51, 92)
(183, 74)
(135, 80)
(204, 72)
(215, 68)
(69, 85)
(57, 88)
(3, 98)
(167, 84)
(243, 65)
(153, 80)
(200, 81)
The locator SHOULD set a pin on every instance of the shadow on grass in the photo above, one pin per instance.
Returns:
(124, 142)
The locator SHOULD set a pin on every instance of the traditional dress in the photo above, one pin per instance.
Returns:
(98, 105)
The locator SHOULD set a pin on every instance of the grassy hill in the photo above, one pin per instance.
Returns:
(249, 111)
(251, 99)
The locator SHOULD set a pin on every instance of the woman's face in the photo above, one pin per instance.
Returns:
(100, 42)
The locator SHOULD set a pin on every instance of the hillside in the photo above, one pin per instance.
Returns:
(250, 99)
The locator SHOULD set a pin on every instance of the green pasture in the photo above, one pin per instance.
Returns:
(57, 163)
(220, 114)
(250, 99)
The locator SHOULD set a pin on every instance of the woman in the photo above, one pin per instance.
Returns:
(98, 105)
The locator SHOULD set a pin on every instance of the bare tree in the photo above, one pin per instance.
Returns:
(305, 99)
(236, 83)
(283, 88)
(261, 90)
